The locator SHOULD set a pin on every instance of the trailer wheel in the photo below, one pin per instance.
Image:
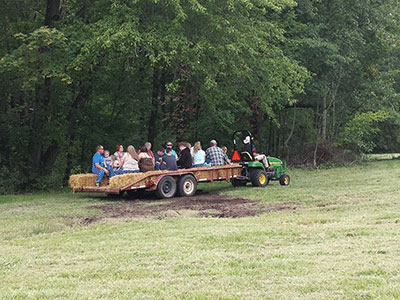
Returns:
(236, 182)
(259, 178)
(136, 194)
(187, 186)
(284, 179)
(166, 187)
(114, 196)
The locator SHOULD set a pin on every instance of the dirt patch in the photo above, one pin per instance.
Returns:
(205, 205)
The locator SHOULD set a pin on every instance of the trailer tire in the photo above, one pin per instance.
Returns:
(114, 196)
(236, 182)
(284, 179)
(259, 178)
(187, 186)
(136, 194)
(166, 187)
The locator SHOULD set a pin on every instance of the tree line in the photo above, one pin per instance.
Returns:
(306, 77)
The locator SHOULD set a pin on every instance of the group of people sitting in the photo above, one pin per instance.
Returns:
(164, 159)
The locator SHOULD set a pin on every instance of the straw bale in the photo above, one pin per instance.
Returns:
(78, 181)
(202, 174)
(221, 173)
(126, 179)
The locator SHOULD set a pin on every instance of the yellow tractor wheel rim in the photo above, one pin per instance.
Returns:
(262, 178)
(286, 180)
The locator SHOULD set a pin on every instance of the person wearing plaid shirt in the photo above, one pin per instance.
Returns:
(215, 155)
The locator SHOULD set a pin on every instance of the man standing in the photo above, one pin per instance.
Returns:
(215, 155)
(98, 165)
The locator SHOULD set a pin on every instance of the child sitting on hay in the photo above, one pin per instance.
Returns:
(107, 159)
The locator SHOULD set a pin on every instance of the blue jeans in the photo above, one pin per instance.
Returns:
(131, 171)
(198, 165)
(100, 173)
(202, 165)
(118, 172)
(159, 166)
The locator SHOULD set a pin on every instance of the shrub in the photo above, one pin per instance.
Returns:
(360, 133)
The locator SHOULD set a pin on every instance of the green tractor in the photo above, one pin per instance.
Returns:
(254, 171)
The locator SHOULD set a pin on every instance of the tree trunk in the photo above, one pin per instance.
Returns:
(38, 125)
(41, 160)
(278, 135)
(333, 100)
(316, 148)
(291, 133)
(152, 125)
(79, 102)
(52, 12)
(316, 141)
(269, 149)
(324, 118)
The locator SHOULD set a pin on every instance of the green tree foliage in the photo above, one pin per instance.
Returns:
(360, 133)
(350, 49)
(75, 74)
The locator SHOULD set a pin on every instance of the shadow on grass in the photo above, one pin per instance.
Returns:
(146, 195)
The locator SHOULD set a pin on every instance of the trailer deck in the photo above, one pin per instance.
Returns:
(162, 181)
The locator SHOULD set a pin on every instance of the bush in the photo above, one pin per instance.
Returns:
(360, 133)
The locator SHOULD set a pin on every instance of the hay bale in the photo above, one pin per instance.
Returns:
(126, 179)
(204, 172)
(221, 173)
(79, 181)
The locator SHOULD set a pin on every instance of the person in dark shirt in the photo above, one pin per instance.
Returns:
(248, 147)
(170, 160)
(159, 165)
(185, 159)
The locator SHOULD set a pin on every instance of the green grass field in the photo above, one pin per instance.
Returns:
(341, 242)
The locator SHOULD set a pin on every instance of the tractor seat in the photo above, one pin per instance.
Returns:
(246, 156)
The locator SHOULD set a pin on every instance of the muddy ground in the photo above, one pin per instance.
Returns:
(200, 205)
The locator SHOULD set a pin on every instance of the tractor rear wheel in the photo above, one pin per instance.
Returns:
(187, 186)
(259, 178)
(284, 179)
(166, 187)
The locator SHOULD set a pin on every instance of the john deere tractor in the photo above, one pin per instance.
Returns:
(254, 171)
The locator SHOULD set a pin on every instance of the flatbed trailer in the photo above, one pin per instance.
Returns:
(165, 183)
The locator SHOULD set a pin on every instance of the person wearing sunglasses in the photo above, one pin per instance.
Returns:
(168, 145)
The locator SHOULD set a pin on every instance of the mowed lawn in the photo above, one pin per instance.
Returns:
(341, 242)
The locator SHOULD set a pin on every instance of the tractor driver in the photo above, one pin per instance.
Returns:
(248, 147)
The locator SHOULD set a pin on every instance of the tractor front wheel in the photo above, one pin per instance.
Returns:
(284, 179)
(259, 178)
